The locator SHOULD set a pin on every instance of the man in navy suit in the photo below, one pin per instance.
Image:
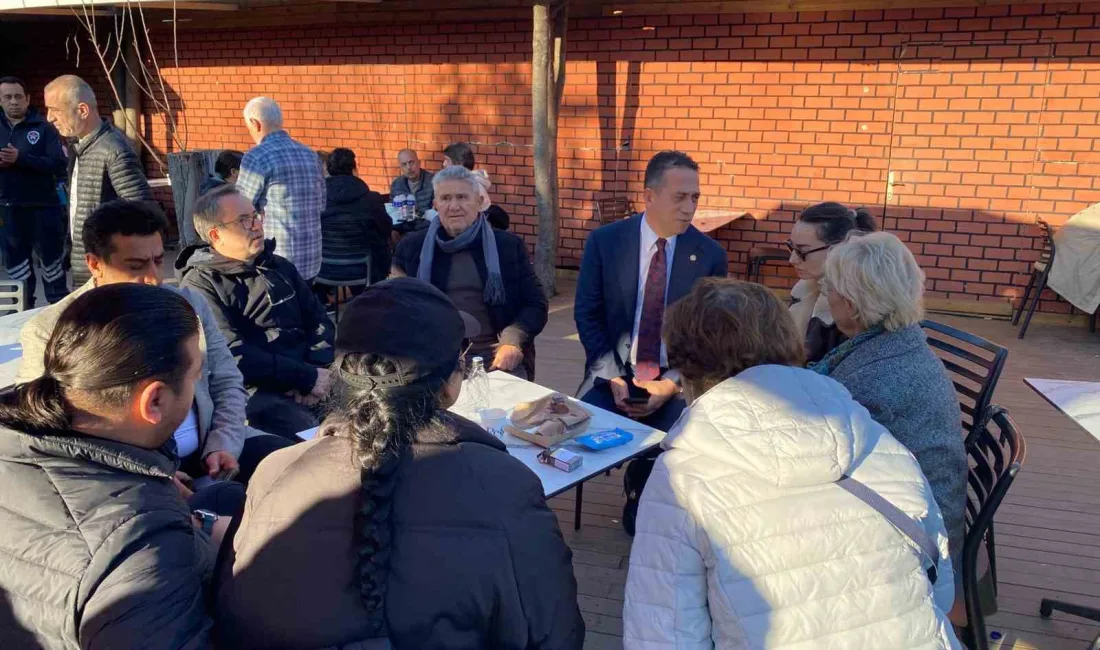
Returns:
(632, 270)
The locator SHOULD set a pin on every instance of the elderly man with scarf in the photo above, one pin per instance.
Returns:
(485, 272)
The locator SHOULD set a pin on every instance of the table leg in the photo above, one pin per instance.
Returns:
(577, 512)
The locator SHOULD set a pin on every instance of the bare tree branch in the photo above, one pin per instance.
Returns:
(89, 25)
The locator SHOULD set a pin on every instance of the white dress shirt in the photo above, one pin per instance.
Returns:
(187, 435)
(72, 199)
(646, 249)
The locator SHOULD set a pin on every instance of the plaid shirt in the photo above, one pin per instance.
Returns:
(283, 179)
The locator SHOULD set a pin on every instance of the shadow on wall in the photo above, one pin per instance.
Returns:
(616, 136)
(943, 242)
(163, 104)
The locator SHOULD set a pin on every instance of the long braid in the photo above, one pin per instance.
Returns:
(382, 423)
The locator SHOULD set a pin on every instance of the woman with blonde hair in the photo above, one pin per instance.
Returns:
(751, 533)
(875, 291)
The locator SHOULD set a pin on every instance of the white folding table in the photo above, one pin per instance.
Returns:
(506, 391)
(1079, 400)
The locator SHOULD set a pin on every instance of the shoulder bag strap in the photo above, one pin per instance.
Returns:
(908, 526)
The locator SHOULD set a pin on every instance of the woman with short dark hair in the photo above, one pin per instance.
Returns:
(100, 549)
(819, 228)
(747, 534)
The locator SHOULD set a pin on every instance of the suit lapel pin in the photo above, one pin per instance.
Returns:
(692, 258)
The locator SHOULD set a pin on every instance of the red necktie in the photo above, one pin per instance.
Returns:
(648, 365)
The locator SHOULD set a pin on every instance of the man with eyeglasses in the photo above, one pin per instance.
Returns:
(276, 328)
(413, 180)
(124, 244)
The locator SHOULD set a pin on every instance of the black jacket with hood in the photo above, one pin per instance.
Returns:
(355, 231)
(98, 547)
(275, 327)
(32, 180)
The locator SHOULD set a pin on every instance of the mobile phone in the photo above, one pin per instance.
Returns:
(226, 474)
(636, 401)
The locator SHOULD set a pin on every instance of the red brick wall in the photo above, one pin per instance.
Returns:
(987, 116)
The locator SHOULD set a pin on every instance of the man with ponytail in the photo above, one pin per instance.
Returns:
(401, 525)
(98, 548)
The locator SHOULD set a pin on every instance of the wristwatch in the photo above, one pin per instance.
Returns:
(207, 519)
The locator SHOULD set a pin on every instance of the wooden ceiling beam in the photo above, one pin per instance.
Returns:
(198, 5)
(651, 7)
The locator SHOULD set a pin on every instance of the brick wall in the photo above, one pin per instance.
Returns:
(986, 116)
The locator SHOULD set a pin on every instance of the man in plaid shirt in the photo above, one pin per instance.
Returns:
(282, 178)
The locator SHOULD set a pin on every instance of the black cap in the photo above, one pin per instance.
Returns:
(407, 321)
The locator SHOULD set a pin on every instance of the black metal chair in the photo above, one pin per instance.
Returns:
(1040, 270)
(995, 457)
(974, 364)
(1049, 605)
(761, 255)
(340, 295)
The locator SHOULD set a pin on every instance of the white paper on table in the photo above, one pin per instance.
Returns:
(506, 391)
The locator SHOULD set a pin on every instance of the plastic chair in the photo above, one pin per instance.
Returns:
(996, 456)
(974, 364)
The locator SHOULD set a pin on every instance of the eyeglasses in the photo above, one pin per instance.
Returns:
(248, 222)
(801, 254)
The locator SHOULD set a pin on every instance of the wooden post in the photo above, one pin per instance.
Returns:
(187, 169)
(547, 86)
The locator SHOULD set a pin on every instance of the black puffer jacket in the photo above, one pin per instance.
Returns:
(355, 229)
(276, 328)
(478, 560)
(97, 547)
(32, 180)
(103, 168)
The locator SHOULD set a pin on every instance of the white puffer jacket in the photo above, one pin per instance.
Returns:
(744, 541)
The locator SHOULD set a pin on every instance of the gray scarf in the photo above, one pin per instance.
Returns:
(494, 284)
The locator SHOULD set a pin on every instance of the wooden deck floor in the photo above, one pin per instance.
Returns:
(1048, 528)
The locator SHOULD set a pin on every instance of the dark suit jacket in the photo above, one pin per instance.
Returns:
(607, 291)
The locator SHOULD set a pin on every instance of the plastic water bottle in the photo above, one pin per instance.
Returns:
(410, 207)
(477, 385)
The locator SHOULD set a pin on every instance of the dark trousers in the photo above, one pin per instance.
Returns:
(225, 498)
(662, 419)
(254, 451)
(40, 230)
(279, 414)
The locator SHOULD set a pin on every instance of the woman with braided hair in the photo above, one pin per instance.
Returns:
(401, 525)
